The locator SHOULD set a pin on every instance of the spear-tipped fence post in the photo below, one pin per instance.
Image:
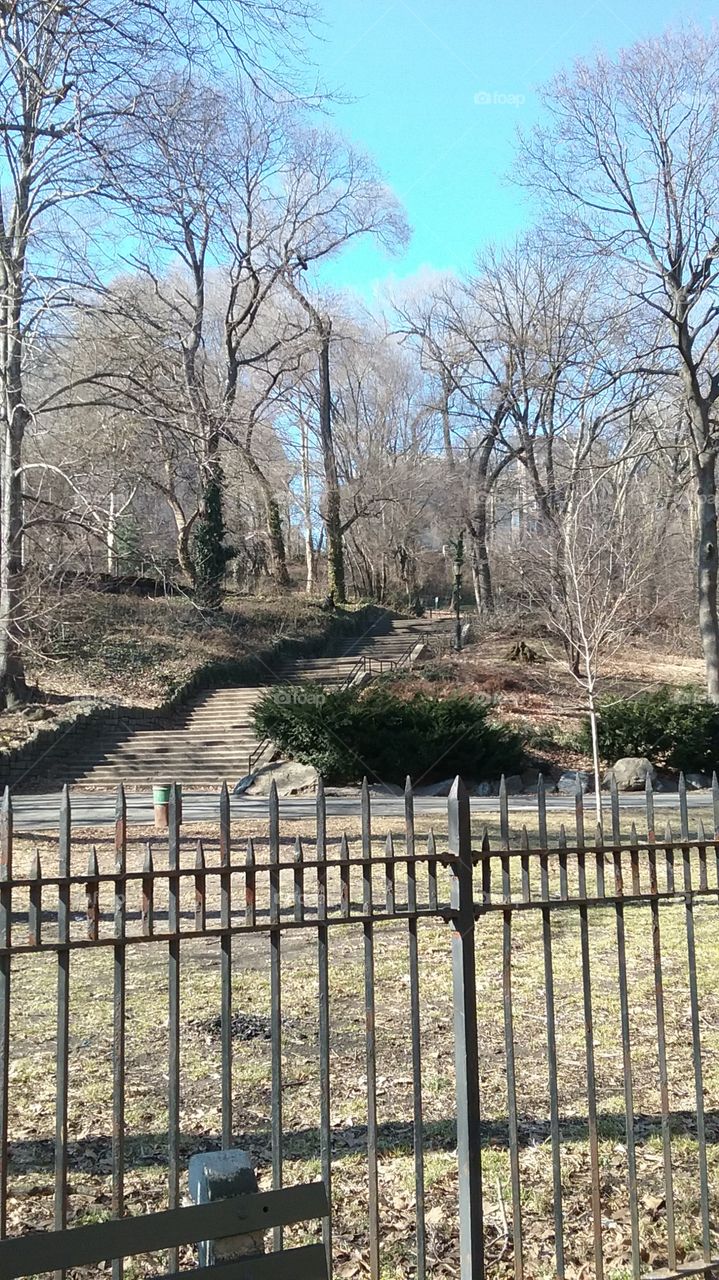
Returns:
(471, 1245)
(6, 842)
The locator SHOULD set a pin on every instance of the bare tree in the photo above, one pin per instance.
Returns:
(349, 200)
(68, 71)
(629, 164)
(469, 411)
(608, 538)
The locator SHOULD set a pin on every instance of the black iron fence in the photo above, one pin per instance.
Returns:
(581, 999)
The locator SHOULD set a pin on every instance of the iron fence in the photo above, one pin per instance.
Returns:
(598, 902)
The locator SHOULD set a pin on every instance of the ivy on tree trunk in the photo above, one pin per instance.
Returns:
(210, 554)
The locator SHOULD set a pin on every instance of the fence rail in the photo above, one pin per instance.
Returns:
(222, 892)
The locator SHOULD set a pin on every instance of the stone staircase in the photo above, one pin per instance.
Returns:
(213, 740)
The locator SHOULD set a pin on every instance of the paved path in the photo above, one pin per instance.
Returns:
(40, 812)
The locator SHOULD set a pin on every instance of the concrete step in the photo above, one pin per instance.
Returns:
(184, 750)
(212, 741)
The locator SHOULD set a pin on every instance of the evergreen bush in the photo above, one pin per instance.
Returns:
(347, 733)
(678, 729)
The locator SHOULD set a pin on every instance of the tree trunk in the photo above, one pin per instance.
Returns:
(481, 570)
(13, 688)
(333, 515)
(310, 554)
(590, 677)
(704, 467)
(278, 556)
(573, 656)
(275, 538)
(209, 551)
(112, 537)
(183, 550)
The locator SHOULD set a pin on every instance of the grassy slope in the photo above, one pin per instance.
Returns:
(140, 651)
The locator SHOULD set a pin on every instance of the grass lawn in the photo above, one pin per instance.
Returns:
(32, 1085)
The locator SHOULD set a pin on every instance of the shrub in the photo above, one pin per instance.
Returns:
(347, 733)
(679, 730)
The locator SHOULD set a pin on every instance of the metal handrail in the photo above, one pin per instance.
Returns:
(255, 756)
(360, 665)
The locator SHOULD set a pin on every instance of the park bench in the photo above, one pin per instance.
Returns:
(236, 1216)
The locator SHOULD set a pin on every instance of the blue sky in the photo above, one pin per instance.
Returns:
(414, 69)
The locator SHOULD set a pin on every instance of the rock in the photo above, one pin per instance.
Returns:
(697, 781)
(514, 784)
(290, 778)
(37, 713)
(421, 653)
(631, 772)
(485, 788)
(567, 784)
(530, 780)
(436, 788)
(381, 790)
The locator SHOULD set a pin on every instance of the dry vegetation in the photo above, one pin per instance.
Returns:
(540, 698)
(33, 1077)
(139, 652)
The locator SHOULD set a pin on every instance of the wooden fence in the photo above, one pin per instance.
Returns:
(575, 900)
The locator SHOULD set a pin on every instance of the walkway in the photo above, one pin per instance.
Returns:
(40, 812)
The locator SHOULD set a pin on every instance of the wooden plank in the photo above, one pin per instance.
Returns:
(308, 1261)
(82, 1246)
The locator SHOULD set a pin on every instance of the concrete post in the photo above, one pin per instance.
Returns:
(217, 1175)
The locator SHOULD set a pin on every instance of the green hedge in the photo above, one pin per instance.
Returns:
(678, 729)
(348, 733)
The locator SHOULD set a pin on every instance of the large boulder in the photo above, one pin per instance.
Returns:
(435, 788)
(530, 781)
(421, 653)
(384, 790)
(290, 778)
(567, 784)
(631, 773)
(697, 781)
(514, 785)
